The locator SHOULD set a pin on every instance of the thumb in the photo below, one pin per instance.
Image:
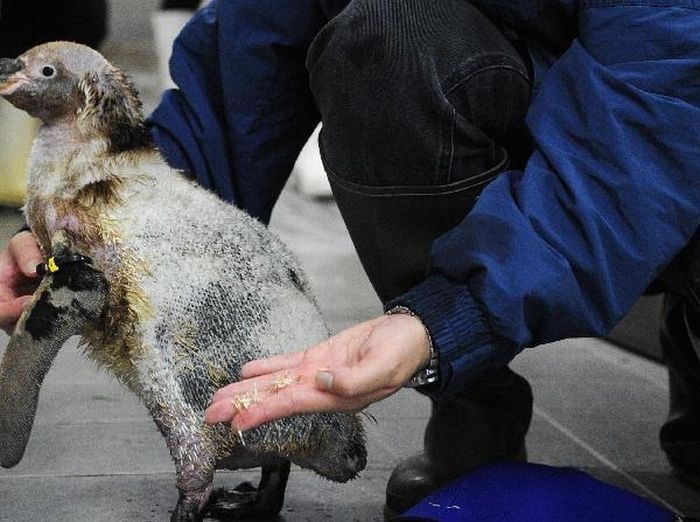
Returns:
(324, 380)
(24, 249)
(351, 382)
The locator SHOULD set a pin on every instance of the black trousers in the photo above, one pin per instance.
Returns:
(422, 104)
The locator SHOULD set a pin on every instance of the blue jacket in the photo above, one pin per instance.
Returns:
(609, 197)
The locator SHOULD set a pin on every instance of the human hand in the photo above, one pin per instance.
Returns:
(18, 277)
(355, 368)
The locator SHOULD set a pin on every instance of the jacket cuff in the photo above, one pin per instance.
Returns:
(460, 331)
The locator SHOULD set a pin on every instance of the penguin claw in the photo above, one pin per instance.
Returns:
(239, 505)
(246, 502)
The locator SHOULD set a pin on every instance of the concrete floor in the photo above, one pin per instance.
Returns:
(95, 455)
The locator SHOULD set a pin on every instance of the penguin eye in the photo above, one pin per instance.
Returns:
(48, 71)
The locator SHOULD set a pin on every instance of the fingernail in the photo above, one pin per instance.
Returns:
(324, 380)
(30, 268)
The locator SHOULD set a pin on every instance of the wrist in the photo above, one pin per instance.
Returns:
(427, 373)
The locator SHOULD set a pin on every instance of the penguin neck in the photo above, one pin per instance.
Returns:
(64, 160)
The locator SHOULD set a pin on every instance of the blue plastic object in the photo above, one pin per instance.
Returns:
(521, 492)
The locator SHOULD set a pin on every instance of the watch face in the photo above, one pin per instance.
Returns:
(425, 376)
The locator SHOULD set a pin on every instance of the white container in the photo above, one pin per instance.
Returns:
(308, 176)
(166, 26)
(17, 131)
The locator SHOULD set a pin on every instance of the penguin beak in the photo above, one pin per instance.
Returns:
(10, 76)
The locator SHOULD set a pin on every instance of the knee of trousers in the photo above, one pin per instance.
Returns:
(415, 93)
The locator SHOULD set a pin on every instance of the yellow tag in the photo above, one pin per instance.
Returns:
(52, 266)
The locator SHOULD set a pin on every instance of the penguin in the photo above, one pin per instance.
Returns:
(170, 288)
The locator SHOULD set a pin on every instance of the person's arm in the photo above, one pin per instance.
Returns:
(243, 108)
(563, 249)
(610, 196)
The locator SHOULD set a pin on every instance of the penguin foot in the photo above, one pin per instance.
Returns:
(246, 502)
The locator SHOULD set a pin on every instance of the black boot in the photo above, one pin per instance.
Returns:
(486, 424)
(680, 340)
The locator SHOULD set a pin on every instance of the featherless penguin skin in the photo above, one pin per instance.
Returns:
(176, 289)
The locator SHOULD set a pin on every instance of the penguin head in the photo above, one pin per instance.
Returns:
(69, 82)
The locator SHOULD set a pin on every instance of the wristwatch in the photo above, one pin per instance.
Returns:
(430, 374)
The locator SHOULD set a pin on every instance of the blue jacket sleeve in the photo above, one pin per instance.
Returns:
(243, 108)
(610, 196)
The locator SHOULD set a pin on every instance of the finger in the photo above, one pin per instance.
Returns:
(220, 411)
(277, 390)
(240, 396)
(302, 400)
(254, 386)
(261, 384)
(358, 381)
(291, 401)
(10, 311)
(229, 391)
(271, 364)
(23, 247)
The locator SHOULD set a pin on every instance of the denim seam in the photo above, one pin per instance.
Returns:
(483, 69)
(469, 63)
(453, 113)
(450, 162)
(374, 191)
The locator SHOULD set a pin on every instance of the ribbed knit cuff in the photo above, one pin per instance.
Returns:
(460, 331)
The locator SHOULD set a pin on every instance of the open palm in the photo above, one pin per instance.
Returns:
(361, 365)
